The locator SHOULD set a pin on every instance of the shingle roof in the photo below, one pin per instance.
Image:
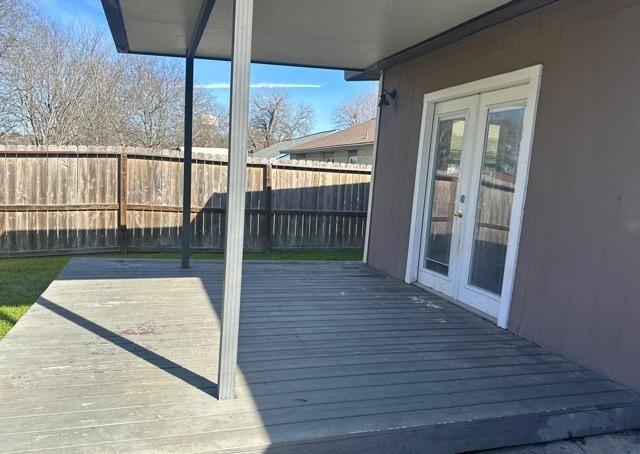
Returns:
(360, 134)
(277, 149)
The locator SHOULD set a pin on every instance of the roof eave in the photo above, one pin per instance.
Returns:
(113, 11)
(496, 16)
(515, 8)
(328, 148)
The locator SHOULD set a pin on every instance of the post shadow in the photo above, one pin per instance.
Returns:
(196, 380)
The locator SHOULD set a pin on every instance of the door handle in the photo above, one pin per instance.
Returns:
(458, 214)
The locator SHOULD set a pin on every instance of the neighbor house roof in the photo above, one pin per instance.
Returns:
(345, 34)
(276, 150)
(358, 135)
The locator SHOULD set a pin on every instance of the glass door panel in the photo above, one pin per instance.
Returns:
(503, 134)
(445, 177)
(478, 155)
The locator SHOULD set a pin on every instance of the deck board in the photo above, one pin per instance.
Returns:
(121, 356)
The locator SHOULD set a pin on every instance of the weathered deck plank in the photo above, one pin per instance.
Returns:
(121, 356)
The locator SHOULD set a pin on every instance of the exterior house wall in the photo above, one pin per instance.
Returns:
(577, 285)
(364, 155)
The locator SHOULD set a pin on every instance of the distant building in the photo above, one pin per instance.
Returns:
(276, 150)
(352, 145)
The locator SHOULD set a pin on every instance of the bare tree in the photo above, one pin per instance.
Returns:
(14, 27)
(100, 120)
(356, 109)
(66, 85)
(152, 102)
(14, 16)
(274, 117)
(210, 121)
(152, 97)
(48, 79)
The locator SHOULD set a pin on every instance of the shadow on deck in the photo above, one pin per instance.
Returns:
(121, 356)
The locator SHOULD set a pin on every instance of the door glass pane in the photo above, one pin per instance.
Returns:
(495, 197)
(448, 151)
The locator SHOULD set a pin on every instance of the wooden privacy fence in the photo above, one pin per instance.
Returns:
(86, 199)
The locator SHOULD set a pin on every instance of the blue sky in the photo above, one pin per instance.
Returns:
(323, 89)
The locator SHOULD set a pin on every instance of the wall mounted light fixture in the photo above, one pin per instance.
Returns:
(383, 97)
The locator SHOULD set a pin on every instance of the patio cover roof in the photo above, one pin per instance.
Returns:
(342, 34)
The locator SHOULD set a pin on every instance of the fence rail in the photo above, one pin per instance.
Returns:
(62, 200)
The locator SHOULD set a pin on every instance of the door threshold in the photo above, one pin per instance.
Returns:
(457, 303)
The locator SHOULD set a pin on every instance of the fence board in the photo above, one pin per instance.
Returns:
(67, 199)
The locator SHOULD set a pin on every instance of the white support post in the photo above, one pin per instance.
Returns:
(236, 186)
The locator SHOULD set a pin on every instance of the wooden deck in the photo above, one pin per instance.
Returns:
(120, 356)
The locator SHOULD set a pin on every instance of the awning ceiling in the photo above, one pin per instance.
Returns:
(345, 34)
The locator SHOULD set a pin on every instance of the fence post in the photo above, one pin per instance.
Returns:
(268, 213)
(122, 203)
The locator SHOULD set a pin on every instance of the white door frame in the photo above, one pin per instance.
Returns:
(527, 76)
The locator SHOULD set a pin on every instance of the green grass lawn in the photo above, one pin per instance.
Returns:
(22, 280)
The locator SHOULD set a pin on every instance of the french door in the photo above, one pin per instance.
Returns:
(472, 200)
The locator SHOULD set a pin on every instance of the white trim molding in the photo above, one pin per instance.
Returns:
(365, 253)
(529, 77)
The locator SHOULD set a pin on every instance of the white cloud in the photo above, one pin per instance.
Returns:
(225, 85)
